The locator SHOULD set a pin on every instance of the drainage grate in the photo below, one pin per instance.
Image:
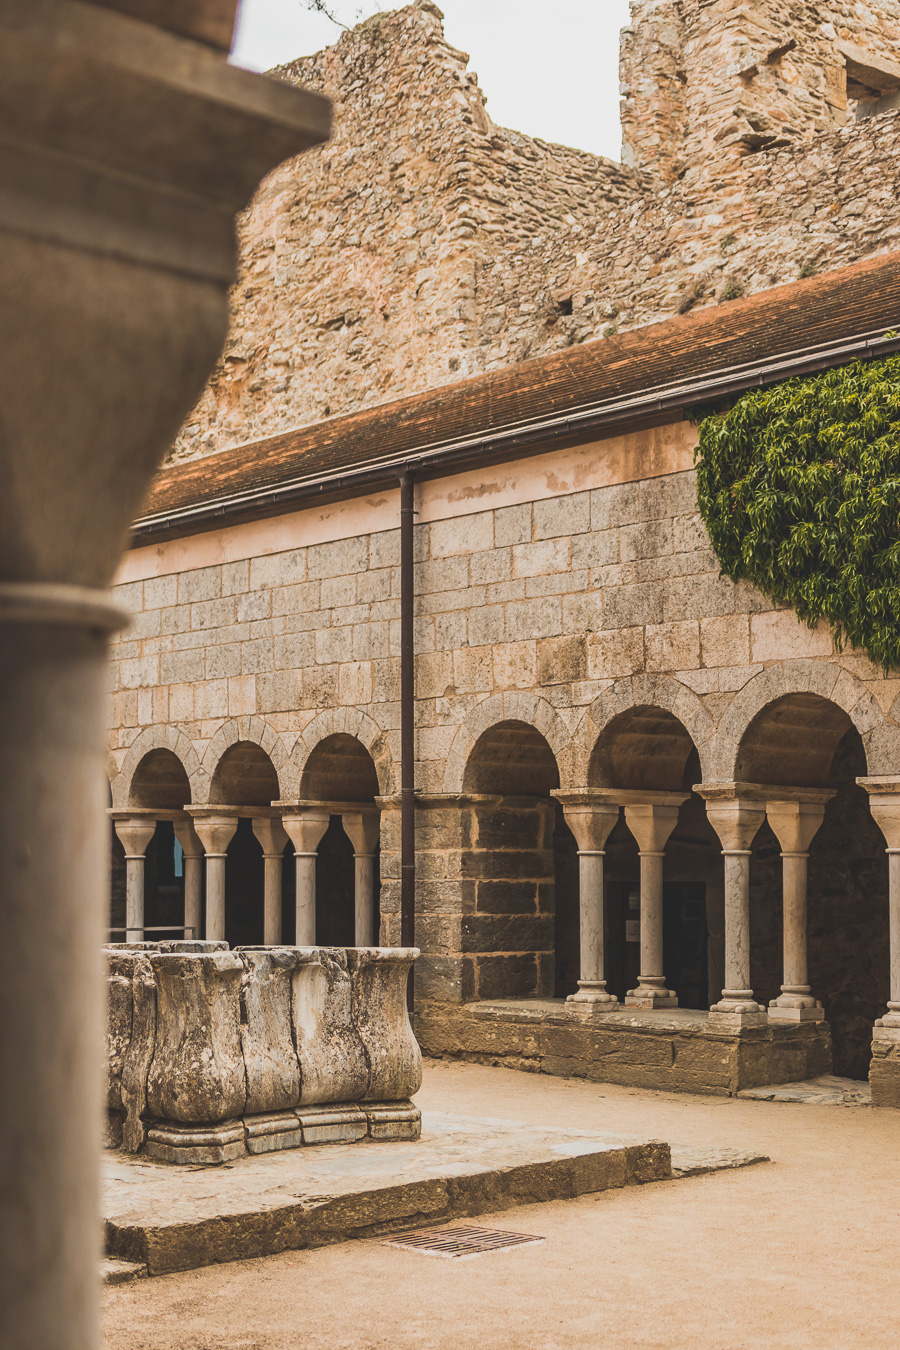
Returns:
(455, 1242)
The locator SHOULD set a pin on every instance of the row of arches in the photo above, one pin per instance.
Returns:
(518, 893)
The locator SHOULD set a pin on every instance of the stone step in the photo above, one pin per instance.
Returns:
(827, 1090)
(115, 1271)
(169, 1219)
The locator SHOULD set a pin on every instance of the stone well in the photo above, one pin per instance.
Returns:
(215, 1053)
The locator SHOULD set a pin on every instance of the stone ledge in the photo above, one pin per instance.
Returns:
(258, 1206)
(673, 1050)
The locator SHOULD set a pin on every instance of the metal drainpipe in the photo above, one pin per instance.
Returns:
(407, 719)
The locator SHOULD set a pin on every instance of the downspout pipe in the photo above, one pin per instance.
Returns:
(407, 717)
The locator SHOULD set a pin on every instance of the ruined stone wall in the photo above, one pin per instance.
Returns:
(425, 244)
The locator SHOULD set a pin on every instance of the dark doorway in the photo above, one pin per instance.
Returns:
(164, 884)
(335, 888)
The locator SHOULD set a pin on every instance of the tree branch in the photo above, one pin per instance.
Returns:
(320, 7)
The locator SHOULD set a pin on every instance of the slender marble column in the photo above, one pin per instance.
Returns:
(736, 821)
(135, 833)
(884, 803)
(192, 849)
(362, 829)
(216, 833)
(305, 829)
(273, 837)
(795, 823)
(591, 823)
(651, 825)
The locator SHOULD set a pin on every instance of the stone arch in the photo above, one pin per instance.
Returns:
(170, 738)
(530, 709)
(257, 732)
(358, 725)
(661, 692)
(827, 680)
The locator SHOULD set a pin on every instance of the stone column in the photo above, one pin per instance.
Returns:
(216, 833)
(362, 828)
(884, 803)
(115, 307)
(794, 824)
(591, 823)
(135, 832)
(651, 823)
(305, 827)
(192, 849)
(736, 820)
(273, 837)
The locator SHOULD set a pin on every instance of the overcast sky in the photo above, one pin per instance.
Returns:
(548, 67)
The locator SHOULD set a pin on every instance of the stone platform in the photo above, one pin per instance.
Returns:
(165, 1220)
(673, 1050)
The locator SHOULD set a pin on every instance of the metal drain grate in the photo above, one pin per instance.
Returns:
(454, 1242)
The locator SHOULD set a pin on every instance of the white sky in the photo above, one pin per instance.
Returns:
(548, 67)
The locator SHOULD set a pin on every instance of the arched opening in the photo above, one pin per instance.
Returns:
(520, 931)
(648, 750)
(340, 770)
(243, 778)
(160, 783)
(806, 741)
(117, 878)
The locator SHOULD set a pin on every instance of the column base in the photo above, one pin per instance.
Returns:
(730, 1017)
(646, 996)
(592, 997)
(796, 1008)
(185, 1144)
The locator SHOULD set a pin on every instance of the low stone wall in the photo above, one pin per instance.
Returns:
(674, 1052)
(216, 1053)
(884, 1073)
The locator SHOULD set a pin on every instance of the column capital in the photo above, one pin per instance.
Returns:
(362, 825)
(884, 804)
(796, 823)
(726, 790)
(271, 834)
(215, 827)
(305, 823)
(591, 820)
(188, 838)
(135, 830)
(652, 821)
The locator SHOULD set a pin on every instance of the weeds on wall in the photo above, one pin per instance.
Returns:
(799, 488)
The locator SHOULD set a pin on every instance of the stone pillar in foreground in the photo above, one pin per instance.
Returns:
(135, 833)
(362, 828)
(795, 823)
(126, 153)
(273, 837)
(651, 822)
(884, 1073)
(215, 831)
(591, 821)
(192, 851)
(736, 818)
(305, 826)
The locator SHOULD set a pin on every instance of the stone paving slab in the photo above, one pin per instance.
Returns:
(829, 1090)
(697, 1162)
(171, 1219)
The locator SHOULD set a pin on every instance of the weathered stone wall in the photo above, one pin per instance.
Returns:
(425, 244)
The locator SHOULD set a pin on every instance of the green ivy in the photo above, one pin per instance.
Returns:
(799, 488)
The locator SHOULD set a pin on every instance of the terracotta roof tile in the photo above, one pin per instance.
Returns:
(864, 298)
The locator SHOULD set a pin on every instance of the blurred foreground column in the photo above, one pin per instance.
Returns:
(125, 152)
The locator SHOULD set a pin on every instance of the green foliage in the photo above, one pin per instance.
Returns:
(799, 488)
(733, 291)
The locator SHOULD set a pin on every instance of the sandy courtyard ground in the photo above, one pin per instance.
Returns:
(800, 1253)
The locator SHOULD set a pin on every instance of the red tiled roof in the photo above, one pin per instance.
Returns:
(863, 299)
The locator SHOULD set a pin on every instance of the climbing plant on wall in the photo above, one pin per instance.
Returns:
(799, 488)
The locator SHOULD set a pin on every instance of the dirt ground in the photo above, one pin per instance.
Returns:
(799, 1253)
